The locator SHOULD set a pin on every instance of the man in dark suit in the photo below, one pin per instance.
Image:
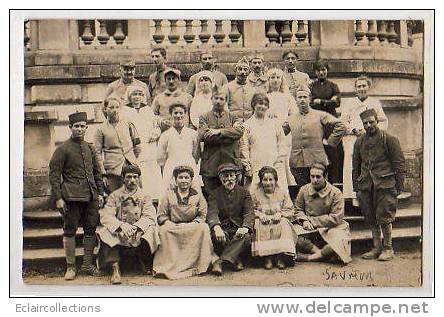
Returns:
(230, 218)
(378, 168)
(77, 186)
(220, 134)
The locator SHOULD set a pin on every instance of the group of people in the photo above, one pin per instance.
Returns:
(246, 168)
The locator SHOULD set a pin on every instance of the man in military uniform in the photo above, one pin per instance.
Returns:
(77, 186)
(128, 225)
(120, 86)
(258, 77)
(156, 80)
(378, 168)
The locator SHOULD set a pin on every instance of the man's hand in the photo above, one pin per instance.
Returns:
(105, 181)
(317, 101)
(238, 125)
(240, 232)
(307, 225)
(101, 201)
(219, 234)
(128, 230)
(61, 206)
(324, 141)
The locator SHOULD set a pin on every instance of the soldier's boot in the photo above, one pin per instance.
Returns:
(69, 244)
(88, 267)
(377, 245)
(387, 253)
(116, 278)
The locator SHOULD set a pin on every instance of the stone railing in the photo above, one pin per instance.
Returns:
(179, 34)
(384, 33)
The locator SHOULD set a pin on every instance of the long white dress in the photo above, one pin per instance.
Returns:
(350, 111)
(178, 149)
(147, 125)
(281, 106)
(262, 144)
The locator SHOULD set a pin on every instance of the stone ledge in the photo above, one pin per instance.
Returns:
(107, 73)
(41, 116)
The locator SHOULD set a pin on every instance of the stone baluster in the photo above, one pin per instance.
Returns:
(87, 35)
(382, 33)
(272, 34)
(219, 34)
(189, 35)
(286, 33)
(301, 34)
(392, 37)
(204, 35)
(234, 33)
(410, 25)
(103, 36)
(173, 36)
(119, 36)
(372, 33)
(359, 33)
(26, 36)
(158, 36)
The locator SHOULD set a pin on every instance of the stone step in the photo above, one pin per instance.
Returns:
(53, 258)
(46, 238)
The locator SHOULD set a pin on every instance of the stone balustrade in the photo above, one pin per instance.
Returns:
(178, 34)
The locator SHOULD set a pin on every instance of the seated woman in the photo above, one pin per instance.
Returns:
(319, 212)
(186, 247)
(274, 234)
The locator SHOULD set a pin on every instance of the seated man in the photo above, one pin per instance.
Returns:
(128, 224)
(319, 211)
(230, 218)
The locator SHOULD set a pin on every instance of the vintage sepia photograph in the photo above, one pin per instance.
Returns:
(216, 152)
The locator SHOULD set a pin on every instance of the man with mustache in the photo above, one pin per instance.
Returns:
(258, 77)
(77, 186)
(173, 94)
(220, 134)
(230, 218)
(307, 132)
(207, 62)
(128, 225)
(240, 92)
(120, 86)
(293, 77)
(378, 177)
(156, 80)
(118, 142)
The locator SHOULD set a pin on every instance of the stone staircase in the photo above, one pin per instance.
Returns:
(43, 249)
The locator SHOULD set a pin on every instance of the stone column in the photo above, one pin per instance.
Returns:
(139, 34)
(403, 34)
(254, 33)
(58, 34)
(332, 33)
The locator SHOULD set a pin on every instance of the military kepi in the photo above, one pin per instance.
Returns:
(368, 113)
(77, 117)
(225, 167)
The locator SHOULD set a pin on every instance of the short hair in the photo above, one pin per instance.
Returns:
(284, 55)
(162, 51)
(320, 166)
(303, 88)
(267, 169)
(364, 77)
(259, 97)
(112, 97)
(181, 169)
(218, 90)
(131, 169)
(318, 64)
(177, 105)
